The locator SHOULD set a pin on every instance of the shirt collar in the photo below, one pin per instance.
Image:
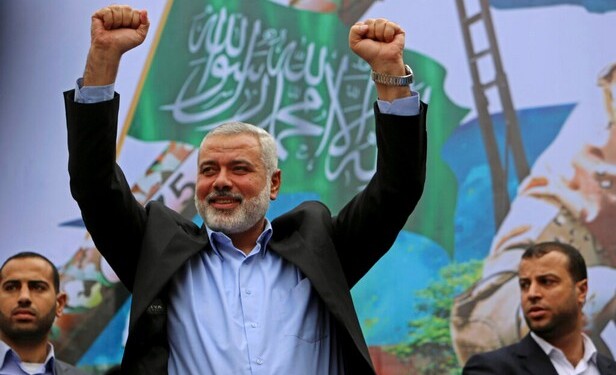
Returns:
(7, 353)
(4, 350)
(590, 351)
(217, 237)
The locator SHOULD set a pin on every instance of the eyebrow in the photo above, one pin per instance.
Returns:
(38, 282)
(543, 275)
(29, 282)
(232, 162)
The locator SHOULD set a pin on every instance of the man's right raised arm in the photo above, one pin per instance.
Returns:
(114, 30)
(110, 212)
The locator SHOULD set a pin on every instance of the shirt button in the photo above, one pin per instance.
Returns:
(248, 291)
(259, 361)
(254, 325)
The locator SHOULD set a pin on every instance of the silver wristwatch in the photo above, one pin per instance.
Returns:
(387, 80)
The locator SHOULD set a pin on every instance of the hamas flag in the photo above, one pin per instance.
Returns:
(291, 72)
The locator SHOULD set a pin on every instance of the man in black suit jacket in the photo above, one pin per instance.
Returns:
(148, 247)
(553, 285)
(30, 301)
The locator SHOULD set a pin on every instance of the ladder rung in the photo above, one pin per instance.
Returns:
(481, 54)
(473, 19)
(488, 85)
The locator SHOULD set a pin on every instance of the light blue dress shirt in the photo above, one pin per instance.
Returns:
(12, 364)
(232, 313)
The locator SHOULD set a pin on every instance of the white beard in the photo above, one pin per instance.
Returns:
(238, 220)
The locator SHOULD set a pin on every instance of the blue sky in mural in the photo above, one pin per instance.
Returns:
(411, 264)
(475, 229)
(105, 349)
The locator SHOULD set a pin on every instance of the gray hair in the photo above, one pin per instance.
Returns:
(269, 153)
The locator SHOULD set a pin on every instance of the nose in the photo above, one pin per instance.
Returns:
(24, 296)
(533, 291)
(222, 181)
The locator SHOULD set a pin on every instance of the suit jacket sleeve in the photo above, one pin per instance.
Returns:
(110, 212)
(368, 225)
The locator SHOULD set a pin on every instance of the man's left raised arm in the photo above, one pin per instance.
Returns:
(367, 226)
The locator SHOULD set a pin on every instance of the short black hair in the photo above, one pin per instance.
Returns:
(577, 265)
(32, 254)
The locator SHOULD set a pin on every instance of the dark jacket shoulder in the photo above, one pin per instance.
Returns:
(522, 358)
(63, 368)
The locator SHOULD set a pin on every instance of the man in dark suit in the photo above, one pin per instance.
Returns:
(242, 295)
(30, 301)
(553, 284)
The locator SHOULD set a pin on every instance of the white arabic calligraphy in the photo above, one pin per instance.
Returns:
(314, 100)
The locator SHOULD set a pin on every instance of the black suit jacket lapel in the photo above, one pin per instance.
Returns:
(326, 278)
(323, 270)
(532, 358)
(605, 365)
(168, 248)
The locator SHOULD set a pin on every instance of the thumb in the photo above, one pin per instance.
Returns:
(144, 23)
(357, 33)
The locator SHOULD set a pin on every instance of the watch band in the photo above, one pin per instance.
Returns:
(387, 80)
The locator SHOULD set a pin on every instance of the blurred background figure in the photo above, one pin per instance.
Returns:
(553, 283)
(30, 301)
(571, 203)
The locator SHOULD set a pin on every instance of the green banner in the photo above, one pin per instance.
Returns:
(292, 73)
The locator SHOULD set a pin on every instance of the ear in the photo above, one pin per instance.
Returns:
(582, 290)
(60, 303)
(276, 180)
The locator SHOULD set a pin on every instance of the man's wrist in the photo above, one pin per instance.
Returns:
(101, 66)
(393, 80)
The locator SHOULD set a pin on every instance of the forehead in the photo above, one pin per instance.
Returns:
(27, 269)
(234, 145)
(553, 262)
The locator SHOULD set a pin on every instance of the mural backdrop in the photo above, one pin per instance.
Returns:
(522, 148)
